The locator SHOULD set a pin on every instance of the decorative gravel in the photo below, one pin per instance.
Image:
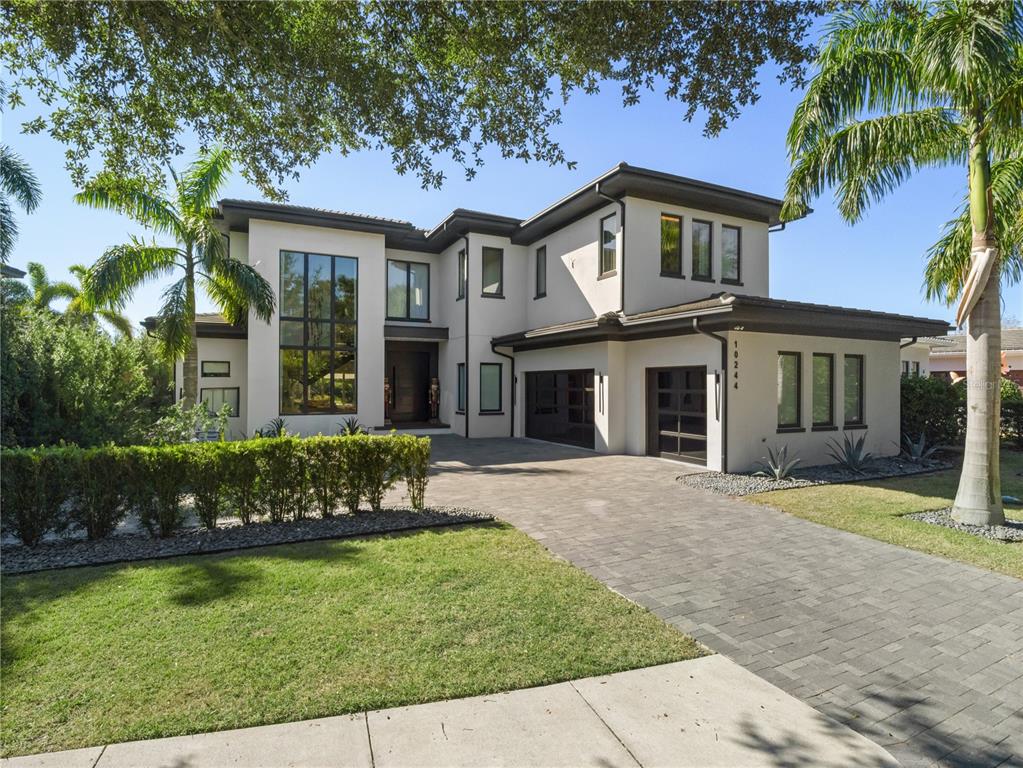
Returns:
(1011, 531)
(16, 558)
(744, 484)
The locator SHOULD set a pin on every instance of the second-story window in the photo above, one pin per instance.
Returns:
(608, 243)
(408, 290)
(671, 245)
(701, 250)
(462, 277)
(493, 271)
(731, 254)
(541, 271)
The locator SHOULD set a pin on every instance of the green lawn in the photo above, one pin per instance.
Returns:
(876, 509)
(114, 653)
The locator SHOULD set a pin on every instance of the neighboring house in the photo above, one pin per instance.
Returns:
(631, 316)
(947, 356)
(12, 272)
(914, 356)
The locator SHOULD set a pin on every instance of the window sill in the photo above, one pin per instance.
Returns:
(790, 430)
(459, 298)
(730, 282)
(823, 428)
(702, 279)
(606, 275)
(406, 320)
(540, 296)
(459, 413)
(854, 426)
(491, 413)
(674, 275)
(492, 295)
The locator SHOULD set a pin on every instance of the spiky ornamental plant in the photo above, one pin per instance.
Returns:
(906, 86)
(200, 253)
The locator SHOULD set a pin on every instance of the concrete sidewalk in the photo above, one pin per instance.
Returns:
(705, 712)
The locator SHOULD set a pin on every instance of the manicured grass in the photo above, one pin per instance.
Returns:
(876, 509)
(115, 653)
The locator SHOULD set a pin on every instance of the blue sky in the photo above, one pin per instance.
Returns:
(875, 264)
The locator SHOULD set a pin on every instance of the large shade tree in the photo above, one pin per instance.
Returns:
(282, 82)
(200, 254)
(901, 87)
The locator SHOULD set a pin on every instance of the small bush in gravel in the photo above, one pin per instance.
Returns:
(777, 465)
(241, 478)
(208, 464)
(282, 479)
(378, 466)
(414, 458)
(323, 457)
(159, 478)
(97, 485)
(33, 490)
(850, 452)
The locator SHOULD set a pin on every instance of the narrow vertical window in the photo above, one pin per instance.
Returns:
(823, 390)
(789, 365)
(731, 254)
(854, 390)
(408, 290)
(461, 388)
(916, 368)
(671, 245)
(608, 243)
(490, 387)
(701, 250)
(541, 271)
(493, 271)
(461, 273)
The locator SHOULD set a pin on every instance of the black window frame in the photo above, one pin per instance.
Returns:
(709, 277)
(205, 375)
(601, 272)
(499, 293)
(463, 277)
(830, 422)
(737, 280)
(408, 292)
(461, 389)
(500, 389)
(797, 425)
(861, 421)
(333, 348)
(238, 397)
(681, 251)
(541, 250)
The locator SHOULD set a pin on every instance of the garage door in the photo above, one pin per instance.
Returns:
(559, 406)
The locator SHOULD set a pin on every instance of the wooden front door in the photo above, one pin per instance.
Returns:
(409, 373)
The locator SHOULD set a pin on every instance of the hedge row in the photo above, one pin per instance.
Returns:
(936, 408)
(45, 490)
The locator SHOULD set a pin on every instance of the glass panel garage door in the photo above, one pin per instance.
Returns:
(559, 406)
(677, 413)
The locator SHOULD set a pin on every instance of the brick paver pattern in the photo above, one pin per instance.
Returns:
(924, 655)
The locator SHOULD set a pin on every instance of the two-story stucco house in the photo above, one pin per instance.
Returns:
(631, 316)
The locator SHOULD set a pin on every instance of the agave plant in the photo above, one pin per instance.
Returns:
(850, 453)
(351, 426)
(776, 464)
(276, 427)
(917, 450)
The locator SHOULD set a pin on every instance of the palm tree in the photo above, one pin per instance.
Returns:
(41, 291)
(910, 86)
(82, 309)
(187, 216)
(17, 181)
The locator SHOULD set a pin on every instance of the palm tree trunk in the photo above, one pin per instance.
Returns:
(190, 367)
(979, 497)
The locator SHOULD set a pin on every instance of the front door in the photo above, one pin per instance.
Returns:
(409, 373)
(677, 413)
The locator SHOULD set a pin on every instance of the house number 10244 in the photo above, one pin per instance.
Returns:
(735, 364)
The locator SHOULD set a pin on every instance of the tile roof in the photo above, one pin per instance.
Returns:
(955, 344)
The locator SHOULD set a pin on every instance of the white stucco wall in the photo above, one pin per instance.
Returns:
(916, 353)
(234, 351)
(646, 288)
(752, 408)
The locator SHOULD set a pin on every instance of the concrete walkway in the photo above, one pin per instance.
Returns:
(924, 655)
(704, 712)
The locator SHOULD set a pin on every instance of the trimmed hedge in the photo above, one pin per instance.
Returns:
(47, 490)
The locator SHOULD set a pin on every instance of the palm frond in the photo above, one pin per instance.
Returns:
(202, 181)
(37, 277)
(174, 321)
(237, 288)
(867, 159)
(117, 321)
(59, 290)
(18, 180)
(120, 270)
(8, 229)
(134, 198)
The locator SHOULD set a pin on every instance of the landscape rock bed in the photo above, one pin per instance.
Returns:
(745, 484)
(16, 558)
(1011, 531)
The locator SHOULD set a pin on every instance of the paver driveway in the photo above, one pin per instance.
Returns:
(921, 654)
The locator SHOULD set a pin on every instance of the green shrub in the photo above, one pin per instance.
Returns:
(377, 466)
(241, 477)
(323, 457)
(98, 485)
(414, 458)
(1012, 422)
(207, 477)
(159, 481)
(930, 406)
(282, 479)
(33, 490)
(349, 472)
